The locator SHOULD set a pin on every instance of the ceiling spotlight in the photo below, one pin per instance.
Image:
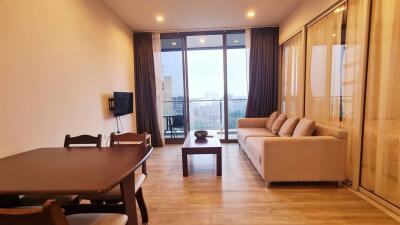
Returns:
(202, 40)
(160, 18)
(333, 35)
(236, 41)
(173, 43)
(251, 14)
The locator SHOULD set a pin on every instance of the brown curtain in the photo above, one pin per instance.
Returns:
(263, 76)
(145, 85)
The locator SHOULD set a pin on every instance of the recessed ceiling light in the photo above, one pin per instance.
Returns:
(202, 40)
(173, 43)
(333, 35)
(160, 18)
(251, 14)
(236, 41)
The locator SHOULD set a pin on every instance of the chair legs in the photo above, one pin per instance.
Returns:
(139, 199)
(142, 205)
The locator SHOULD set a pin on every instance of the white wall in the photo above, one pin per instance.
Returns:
(59, 63)
(304, 13)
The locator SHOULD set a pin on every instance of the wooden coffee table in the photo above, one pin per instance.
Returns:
(210, 146)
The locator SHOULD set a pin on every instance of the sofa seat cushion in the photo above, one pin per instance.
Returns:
(244, 133)
(255, 145)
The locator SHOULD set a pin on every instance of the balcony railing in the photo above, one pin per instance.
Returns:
(208, 114)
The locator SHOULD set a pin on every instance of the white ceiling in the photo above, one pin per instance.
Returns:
(200, 14)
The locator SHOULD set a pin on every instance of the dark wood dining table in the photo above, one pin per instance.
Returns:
(86, 170)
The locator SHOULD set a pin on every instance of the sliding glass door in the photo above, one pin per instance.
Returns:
(211, 82)
(174, 113)
(237, 81)
(206, 82)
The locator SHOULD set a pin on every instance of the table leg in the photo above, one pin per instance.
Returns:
(219, 163)
(128, 197)
(184, 164)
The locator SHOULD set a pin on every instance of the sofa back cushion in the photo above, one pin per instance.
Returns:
(288, 127)
(305, 127)
(277, 124)
(271, 120)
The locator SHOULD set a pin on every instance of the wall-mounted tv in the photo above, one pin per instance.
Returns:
(123, 103)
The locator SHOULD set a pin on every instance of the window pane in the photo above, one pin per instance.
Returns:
(173, 44)
(235, 40)
(204, 41)
(173, 94)
(206, 89)
(237, 88)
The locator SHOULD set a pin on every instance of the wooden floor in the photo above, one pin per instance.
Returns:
(239, 197)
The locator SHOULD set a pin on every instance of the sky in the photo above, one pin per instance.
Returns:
(205, 73)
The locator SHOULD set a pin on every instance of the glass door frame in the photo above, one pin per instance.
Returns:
(182, 36)
(182, 39)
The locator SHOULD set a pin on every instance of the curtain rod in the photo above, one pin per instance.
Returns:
(200, 29)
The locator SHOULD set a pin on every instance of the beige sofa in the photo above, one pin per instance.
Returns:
(320, 157)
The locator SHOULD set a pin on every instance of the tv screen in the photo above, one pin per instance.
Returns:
(123, 103)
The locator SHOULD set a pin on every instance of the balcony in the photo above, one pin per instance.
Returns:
(205, 114)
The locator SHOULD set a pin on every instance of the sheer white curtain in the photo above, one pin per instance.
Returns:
(292, 92)
(159, 81)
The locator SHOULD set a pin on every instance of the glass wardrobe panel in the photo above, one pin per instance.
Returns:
(353, 81)
(325, 51)
(293, 76)
(380, 171)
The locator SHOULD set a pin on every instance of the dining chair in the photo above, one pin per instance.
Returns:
(114, 195)
(69, 142)
(131, 139)
(82, 141)
(51, 214)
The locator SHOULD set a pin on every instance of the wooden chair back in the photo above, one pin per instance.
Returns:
(131, 139)
(49, 214)
(82, 140)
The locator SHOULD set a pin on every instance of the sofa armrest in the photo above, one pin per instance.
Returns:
(252, 122)
(304, 158)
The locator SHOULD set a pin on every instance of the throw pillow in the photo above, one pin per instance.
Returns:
(271, 120)
(305, 127)
(277, 124)
(288, 127)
